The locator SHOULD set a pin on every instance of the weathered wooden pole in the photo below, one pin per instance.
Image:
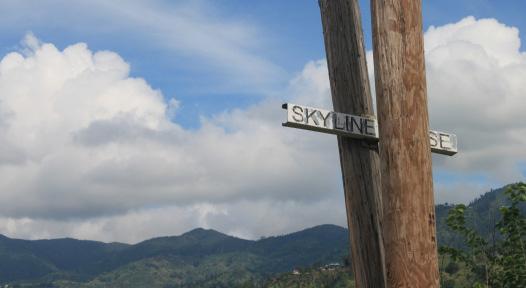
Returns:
(409, 214)
(344, 45)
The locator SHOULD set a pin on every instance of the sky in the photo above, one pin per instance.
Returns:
(126, 120)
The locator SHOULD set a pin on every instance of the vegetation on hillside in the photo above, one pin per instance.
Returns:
(207, 258)
(495, 261)
(314, 277)
(199, 258)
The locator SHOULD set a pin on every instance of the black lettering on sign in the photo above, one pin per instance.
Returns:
(299, 113)
(354, 123)
(444, 141)
(311, 115)
(336, 121)
(325, 118)
(369, 127)
(433, 138)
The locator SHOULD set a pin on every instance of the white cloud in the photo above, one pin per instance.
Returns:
(94, 143)
(90, 152)
(245, 219)
(475, 74)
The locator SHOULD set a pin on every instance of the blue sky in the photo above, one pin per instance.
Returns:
(290, 31)
(191, 134)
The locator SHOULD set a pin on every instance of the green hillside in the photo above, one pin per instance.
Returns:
(203, 258)
(199, 258)
(313, 278)
(482, 215)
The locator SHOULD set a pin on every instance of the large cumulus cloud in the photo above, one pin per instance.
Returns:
(83, 142)
(476, 81)
(92, 140)
(90, 152)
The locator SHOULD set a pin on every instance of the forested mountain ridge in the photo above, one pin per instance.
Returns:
(190, 257)
(198, 258)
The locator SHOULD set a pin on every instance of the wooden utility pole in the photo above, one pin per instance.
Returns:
(409, 214)
(344, 45)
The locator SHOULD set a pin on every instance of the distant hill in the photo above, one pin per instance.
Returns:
(199, 258)
(482, 215)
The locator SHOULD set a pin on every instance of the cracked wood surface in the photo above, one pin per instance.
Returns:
(344, 45)
(408, 206)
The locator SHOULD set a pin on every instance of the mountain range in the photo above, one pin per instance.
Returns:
(198, 258)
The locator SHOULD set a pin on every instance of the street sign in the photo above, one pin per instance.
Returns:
(320, 120)
(443, 143)
(358, 127)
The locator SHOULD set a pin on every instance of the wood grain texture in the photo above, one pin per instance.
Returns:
(409, 217)
(344, 45)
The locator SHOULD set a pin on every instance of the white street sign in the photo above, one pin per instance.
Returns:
(331, 122)
(353, 126)
(443, 143)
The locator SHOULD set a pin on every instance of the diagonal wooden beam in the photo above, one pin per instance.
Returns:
(344, 45)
